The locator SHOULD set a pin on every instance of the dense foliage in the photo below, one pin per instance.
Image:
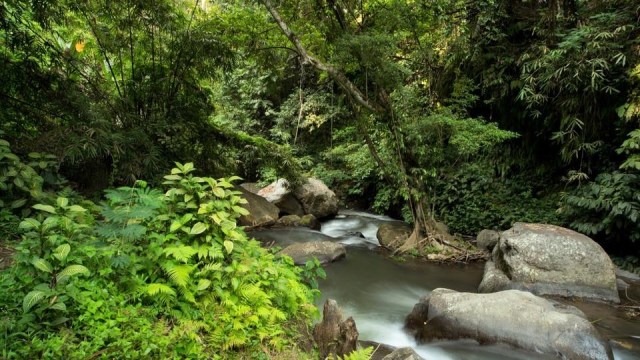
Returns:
(478, 113)
(146, 274)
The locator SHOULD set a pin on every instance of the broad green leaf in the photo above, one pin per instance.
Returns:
(188, 167)
(43, 207)
(240, 210)
(175, 226)
(18, 182)
(203, 284)
(18, 203)
(58, 306)
(219, 192)
(62, 201)
(28, 224)
(31, 299)
(42, 265)
(228, 245)
(77, 208)
(228, 225)
(71, 270)
(62, 251)
(173, 177)
(198, 228)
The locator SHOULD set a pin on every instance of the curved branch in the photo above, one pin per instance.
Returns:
(334, 73)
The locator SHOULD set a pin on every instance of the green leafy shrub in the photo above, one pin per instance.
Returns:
(473, 198)
(166, 275)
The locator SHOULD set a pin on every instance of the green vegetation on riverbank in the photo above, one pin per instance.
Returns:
(475, 113)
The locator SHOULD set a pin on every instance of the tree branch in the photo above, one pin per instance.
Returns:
(334, 73)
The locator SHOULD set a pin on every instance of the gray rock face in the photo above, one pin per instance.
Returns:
(317, 199)
(289, 220)
(393, 234)
(279, 194)
(405, 353)
(487, 239)
(261, 212)
(333, 335)
(251, 187)
(550, 260)
(324, 251)
(308, 221)
(514, 317)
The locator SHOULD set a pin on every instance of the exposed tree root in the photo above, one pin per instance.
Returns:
(439, 246)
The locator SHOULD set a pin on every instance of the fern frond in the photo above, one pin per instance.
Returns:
(181, 253)
(179, 274)
(157, 288)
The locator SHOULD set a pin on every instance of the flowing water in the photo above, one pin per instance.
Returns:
(380, 292)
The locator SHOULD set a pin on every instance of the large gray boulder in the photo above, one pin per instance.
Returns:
(392, 235)
(514, 317)
(251, 187)
(261, 212)
(550, 260)
(317, 199)
(324, 251)
(279, 193)
(487, 240)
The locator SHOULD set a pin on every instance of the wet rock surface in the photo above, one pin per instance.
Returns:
(335, 336)
(550, 260)
(393, 234)
(324, 251)
(261, 212)
(514, 317)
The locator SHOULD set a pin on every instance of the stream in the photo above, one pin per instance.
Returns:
(380, 292)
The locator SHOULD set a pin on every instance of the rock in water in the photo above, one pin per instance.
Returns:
(261, 212)
(405, 353)
(311, 222)
(308, 221)
(279, 194)
(317, 199)
(324, 251)
(333, 335)
(550, 260)
(487, 239)
(514, 317)
(392, 235)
